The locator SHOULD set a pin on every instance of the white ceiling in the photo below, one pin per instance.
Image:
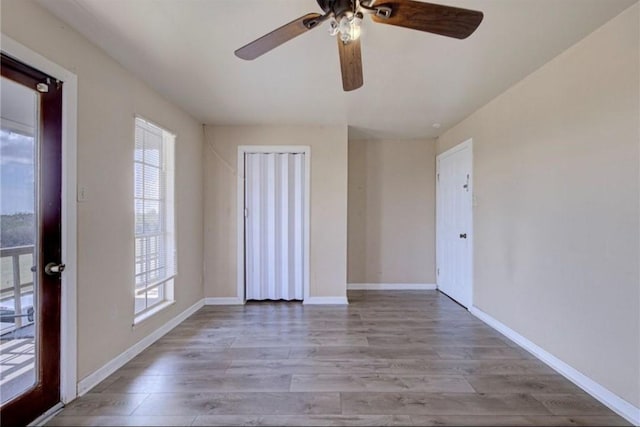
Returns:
(184, 49)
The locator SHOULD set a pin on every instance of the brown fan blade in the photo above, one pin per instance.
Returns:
(350, 64)
(432, 18)
(279, 36)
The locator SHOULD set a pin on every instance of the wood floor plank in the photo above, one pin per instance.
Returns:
(481, 353)
(302, 420)
(217, 357)
(298, 333)
(521, 384)
(443, 340)
(514, 420)
(486, 367)
(119, 420)
(597, 420)
(288, 341)
(572, 404)
(184, 383)
(173, 367)
(441, 404)
(363, 352)
(240, 404)
(315, 324)
(195, 342)
(380, 383)
(435, 323)
(486, 420)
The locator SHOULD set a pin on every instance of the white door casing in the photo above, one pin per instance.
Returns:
(454, 223)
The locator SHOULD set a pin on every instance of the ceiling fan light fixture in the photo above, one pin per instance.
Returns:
(348, 27)
(356, 23)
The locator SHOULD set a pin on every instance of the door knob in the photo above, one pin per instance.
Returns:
(52, 268)
(463, 235)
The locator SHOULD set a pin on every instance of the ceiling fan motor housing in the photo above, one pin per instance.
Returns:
(337, 7)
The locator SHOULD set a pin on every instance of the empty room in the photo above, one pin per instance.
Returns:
(320, 212)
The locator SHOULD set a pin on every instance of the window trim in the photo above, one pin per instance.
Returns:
(169, 281)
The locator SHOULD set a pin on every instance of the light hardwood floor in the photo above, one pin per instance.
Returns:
(389, 358)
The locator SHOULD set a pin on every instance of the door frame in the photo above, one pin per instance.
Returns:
(68, 313)
(255, 149)
(468, 144)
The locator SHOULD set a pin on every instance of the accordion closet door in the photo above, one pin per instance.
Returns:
(274, 215)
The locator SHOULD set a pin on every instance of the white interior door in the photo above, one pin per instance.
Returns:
(274, 226)
(454, 195)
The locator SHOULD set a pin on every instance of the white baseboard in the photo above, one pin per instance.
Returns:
(223, 301)
(92, 380)
(605, 396)
(326, 300)
(391, 286)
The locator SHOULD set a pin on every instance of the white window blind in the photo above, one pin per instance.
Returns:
(155, 246)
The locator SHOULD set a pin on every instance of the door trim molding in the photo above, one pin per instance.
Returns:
(467, 144)
(250, 149)
(69, 327)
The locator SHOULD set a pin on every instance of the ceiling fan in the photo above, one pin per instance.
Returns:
(345, 18)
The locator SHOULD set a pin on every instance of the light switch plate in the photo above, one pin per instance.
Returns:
(83, 194)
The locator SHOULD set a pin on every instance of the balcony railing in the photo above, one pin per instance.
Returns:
(16, 287)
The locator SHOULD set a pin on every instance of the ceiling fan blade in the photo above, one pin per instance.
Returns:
(433, 18)
(279, 36)
(350, 64)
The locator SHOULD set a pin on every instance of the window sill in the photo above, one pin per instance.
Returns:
(147, 314)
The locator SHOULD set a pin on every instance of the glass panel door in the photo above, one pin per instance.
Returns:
(30, 241)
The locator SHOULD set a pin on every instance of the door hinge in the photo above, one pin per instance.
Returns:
(438, 177)
(437, 271)
(246, 212)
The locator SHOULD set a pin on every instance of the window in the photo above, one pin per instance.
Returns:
(155, 241)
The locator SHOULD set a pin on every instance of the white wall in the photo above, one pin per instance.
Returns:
(556, 164)
(391, 211)
(108, 99)
(328, 227)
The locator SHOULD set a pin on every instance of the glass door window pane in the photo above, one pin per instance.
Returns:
(18, 284)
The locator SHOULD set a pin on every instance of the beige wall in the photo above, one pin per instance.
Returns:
(556, 166)
(391, 211)
(328, 225)
(108, 98)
